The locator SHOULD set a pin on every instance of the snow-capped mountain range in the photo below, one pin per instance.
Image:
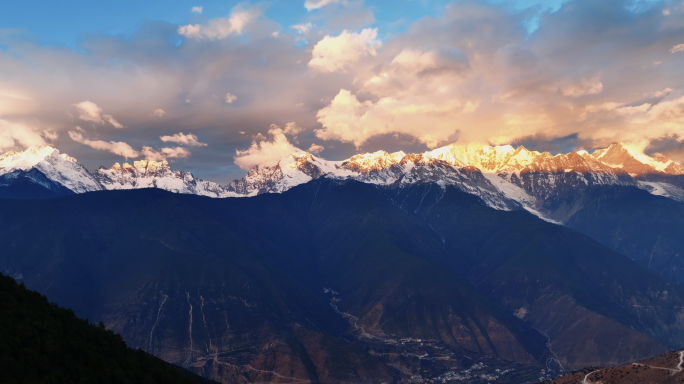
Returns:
(503, 177)
(54, 170)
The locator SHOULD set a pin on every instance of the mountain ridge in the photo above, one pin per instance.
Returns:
(504, 177)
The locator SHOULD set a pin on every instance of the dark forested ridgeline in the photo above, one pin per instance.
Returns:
(43, 343)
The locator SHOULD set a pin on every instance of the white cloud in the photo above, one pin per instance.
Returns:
(89, 111)
(591, 86)
(342, 119)
(418, 93)
(181, 138)
(290, 128)
(302, 28)
(315, 148)
(221, 28)
(639, 124)
(230, 98)
(264, 152)
(197, 10)
(677, 48)
(336, 53)
(158, 112)
(431, 118)
(164, 153)
(12, 134)
(116, 147)
(660, 93)
(310, 5)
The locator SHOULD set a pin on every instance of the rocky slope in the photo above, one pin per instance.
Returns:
(663, 369)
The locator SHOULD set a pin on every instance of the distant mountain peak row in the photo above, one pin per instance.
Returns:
(504, 177)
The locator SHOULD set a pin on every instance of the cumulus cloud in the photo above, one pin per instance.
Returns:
(417, 92)
(677, 48)
(196, 10)
(640, 124)
(310, 5)
(264, 151)
(484, 79)
(349, 120)
(164, 153)
(158, 113)
(89, 111)
(315, 148)
(12, 134)
(230, 98)
(336, 53)
(116, 147)
(222, 27)
(181, 138)
(290, 128)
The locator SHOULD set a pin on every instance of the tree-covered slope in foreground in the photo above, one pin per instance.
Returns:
(43, 343)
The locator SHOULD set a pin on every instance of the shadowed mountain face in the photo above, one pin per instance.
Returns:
(646, 228)
(565, 285)
(340, 281)
(32, 184)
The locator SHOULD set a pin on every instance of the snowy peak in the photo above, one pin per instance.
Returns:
(379, 168)
(57, 167)
(618, 155)
(375, 161)
(29, 158)
(485, 158)
(140, 168)
(156, 174)
(609, 162)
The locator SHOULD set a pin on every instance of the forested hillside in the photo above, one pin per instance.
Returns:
(43, 343)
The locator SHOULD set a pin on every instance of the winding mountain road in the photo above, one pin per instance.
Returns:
(587, 377)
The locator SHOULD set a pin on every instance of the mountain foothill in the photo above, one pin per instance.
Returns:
(461, 264)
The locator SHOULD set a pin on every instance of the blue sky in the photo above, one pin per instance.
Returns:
(69, 22)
